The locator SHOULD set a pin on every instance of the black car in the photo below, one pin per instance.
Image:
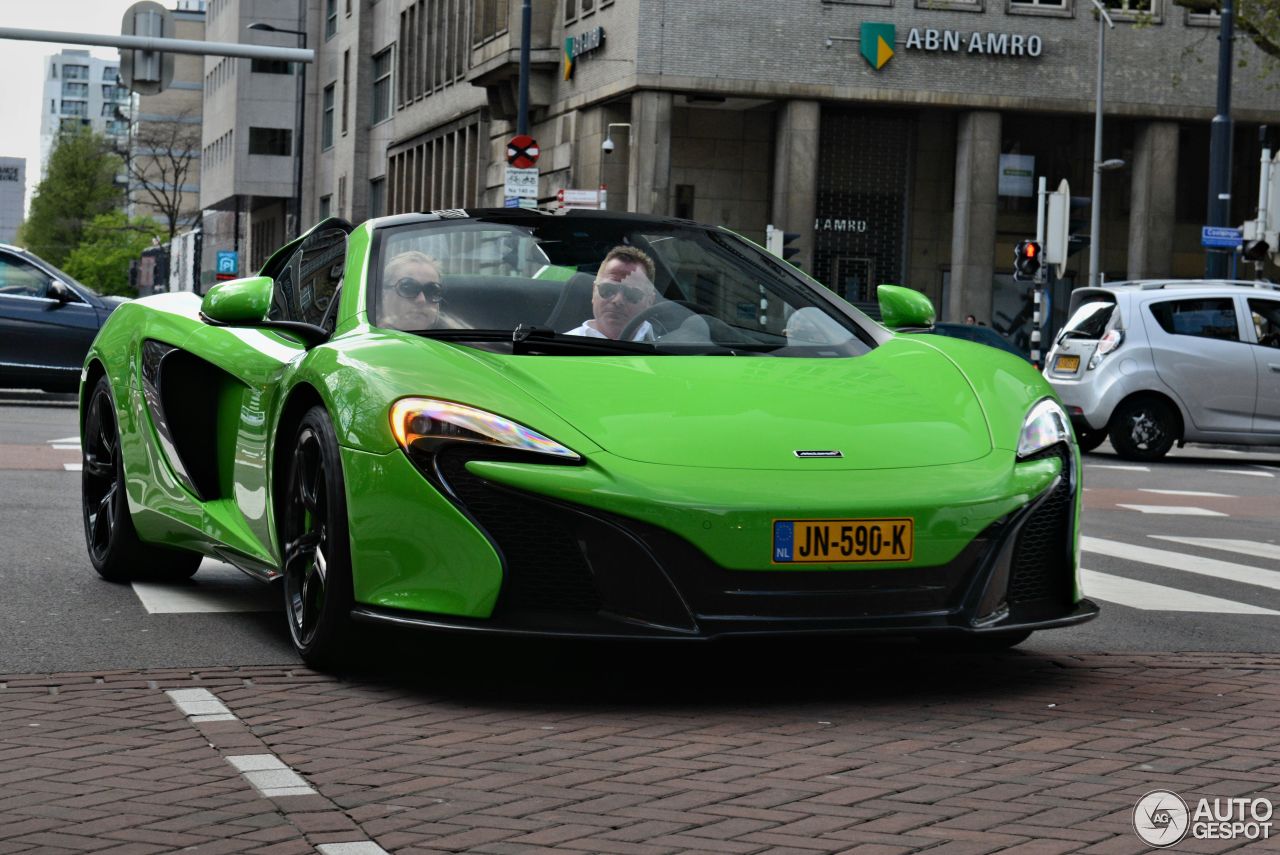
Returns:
(47, 322)
(980, 334)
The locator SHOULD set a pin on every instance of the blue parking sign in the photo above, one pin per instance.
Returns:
(228, 262)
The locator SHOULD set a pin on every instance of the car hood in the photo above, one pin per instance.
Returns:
(904, 404)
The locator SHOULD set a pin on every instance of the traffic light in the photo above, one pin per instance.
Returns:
(776, 241)
(1026, 261)
(1256, 250)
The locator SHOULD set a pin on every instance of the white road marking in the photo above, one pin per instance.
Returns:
(73, 467)
(269, 776)
(66, 440)
(75, 447)
(1179, 561)
(200, 705)
(1244, 547)
(364, 847)
(1118, 466)
(1243, 472)
(1184, 493)
(1175, 510)
(218, 587)
(1152, 598)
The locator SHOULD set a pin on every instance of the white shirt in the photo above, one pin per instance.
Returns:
(588, 329)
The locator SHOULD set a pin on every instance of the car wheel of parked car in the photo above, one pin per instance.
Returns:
(1088, 439)
(1143, 429)
(114, 548)
(317, 552)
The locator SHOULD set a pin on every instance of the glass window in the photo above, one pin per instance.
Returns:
(651, 288)
(110, 72)
(75, 72)
(381, 86)
(20, 279)
(346, 87)
(75, 90)
(307, 284)
(1265, 315)
(326, 204)
(570, 9)
(1213, 317)
(75, 108)
(274, 141)
(1047, 5)
(326, 119)
(1090, 319)
(271, 66)
(330, 18)
(377, 197)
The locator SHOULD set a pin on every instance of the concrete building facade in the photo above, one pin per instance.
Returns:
(80, 89)
(13, 192)
(900, 139)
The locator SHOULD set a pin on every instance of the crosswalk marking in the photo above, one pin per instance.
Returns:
(73, 441)
(1175, 510)
(1149, 597)
(1118, 466)
(1244, 547)
(1189, 563)
(218, 587)
(73, 467)
(1184, 493)
(1244, 472)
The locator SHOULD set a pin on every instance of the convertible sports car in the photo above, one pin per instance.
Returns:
(594, 424)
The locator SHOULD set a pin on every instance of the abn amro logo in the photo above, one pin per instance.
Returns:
(876, 43)
(1161, 818)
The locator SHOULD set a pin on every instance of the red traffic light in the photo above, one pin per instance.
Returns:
(1031, 250)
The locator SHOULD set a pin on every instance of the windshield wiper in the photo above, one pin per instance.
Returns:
(530, 338)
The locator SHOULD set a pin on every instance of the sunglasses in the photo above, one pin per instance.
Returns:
(609, 290)
(411, 288)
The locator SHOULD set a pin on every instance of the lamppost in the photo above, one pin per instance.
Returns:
(300, 118)
(1099, 165)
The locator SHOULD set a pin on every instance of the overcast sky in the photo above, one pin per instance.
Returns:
(22, 65)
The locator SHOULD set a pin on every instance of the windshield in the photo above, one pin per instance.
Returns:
(587, 280)
(1090, 319)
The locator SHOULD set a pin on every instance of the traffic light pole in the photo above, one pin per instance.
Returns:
(1037, 285)
(148, 43)
(1215, 263)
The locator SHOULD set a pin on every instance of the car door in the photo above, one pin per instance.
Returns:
(1198, 350)
(41, 336)
(1264, 313)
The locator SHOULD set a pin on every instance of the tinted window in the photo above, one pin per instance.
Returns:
(1090, 319)
(1265, 315)
(19, 278)
(307, 284)
(1213, 317)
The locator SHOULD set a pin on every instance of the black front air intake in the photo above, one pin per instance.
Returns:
(1040, 579)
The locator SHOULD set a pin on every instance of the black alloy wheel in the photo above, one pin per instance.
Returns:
(1143, 429)
(317, 552)
(115, 549)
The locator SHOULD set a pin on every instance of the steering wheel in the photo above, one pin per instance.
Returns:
(666, 315)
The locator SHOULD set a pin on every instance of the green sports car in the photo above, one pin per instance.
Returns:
(594, 424)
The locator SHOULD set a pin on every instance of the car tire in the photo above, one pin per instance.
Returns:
(115, 549)
(315, 545)
(1143, 429)
(1088, 439)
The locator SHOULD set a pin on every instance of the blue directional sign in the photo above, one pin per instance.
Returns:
(228, 263)
(1216, 237)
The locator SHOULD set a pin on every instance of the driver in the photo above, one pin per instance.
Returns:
(623, 289)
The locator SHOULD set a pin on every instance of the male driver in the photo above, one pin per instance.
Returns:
(622, 290)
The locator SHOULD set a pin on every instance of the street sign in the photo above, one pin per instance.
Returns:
(521, 183)
(228, 264)
(146, 72)
(522, 151)
(1217, 237)
(590, 199)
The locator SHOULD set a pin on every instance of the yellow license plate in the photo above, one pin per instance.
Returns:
(1066, 363)
(843, 541)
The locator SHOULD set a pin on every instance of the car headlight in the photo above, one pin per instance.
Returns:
(1044, 426)
(423, 423)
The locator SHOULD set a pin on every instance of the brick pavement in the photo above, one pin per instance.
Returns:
(549, 749)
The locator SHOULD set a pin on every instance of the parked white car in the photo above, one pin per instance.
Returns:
(1158, 362)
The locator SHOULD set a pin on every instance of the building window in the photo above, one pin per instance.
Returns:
(1048, 7)
(330, 18)
(274, 141)
(110, 72)
(433, 47)
(377, 197)
(346, 91)
(570, 9)
(489, 19)
(270, 66)
(1134, 10)
(348, 8)
(588, 6)
(75, 72)
(109, 110)
(342, 194)
(326, 120)
(326, 203)
(437, 170)
(75, 108)
(381, 86)
(75, 90)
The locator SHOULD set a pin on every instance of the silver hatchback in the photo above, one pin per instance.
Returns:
(1151, 363)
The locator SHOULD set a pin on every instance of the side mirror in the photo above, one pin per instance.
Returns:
(60, 292)
(904, 307)
(239, 301)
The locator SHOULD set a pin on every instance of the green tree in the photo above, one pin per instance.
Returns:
(1257, 19)
(79, 184)
(109, 243)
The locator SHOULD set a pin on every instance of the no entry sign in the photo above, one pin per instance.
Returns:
(522, 151)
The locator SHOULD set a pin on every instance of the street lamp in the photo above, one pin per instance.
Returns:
(1099, 165)
(300, 118)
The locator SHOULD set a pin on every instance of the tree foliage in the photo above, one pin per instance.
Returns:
(1257, 19)
(110, 242)
(79, 184)
(162, 162)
